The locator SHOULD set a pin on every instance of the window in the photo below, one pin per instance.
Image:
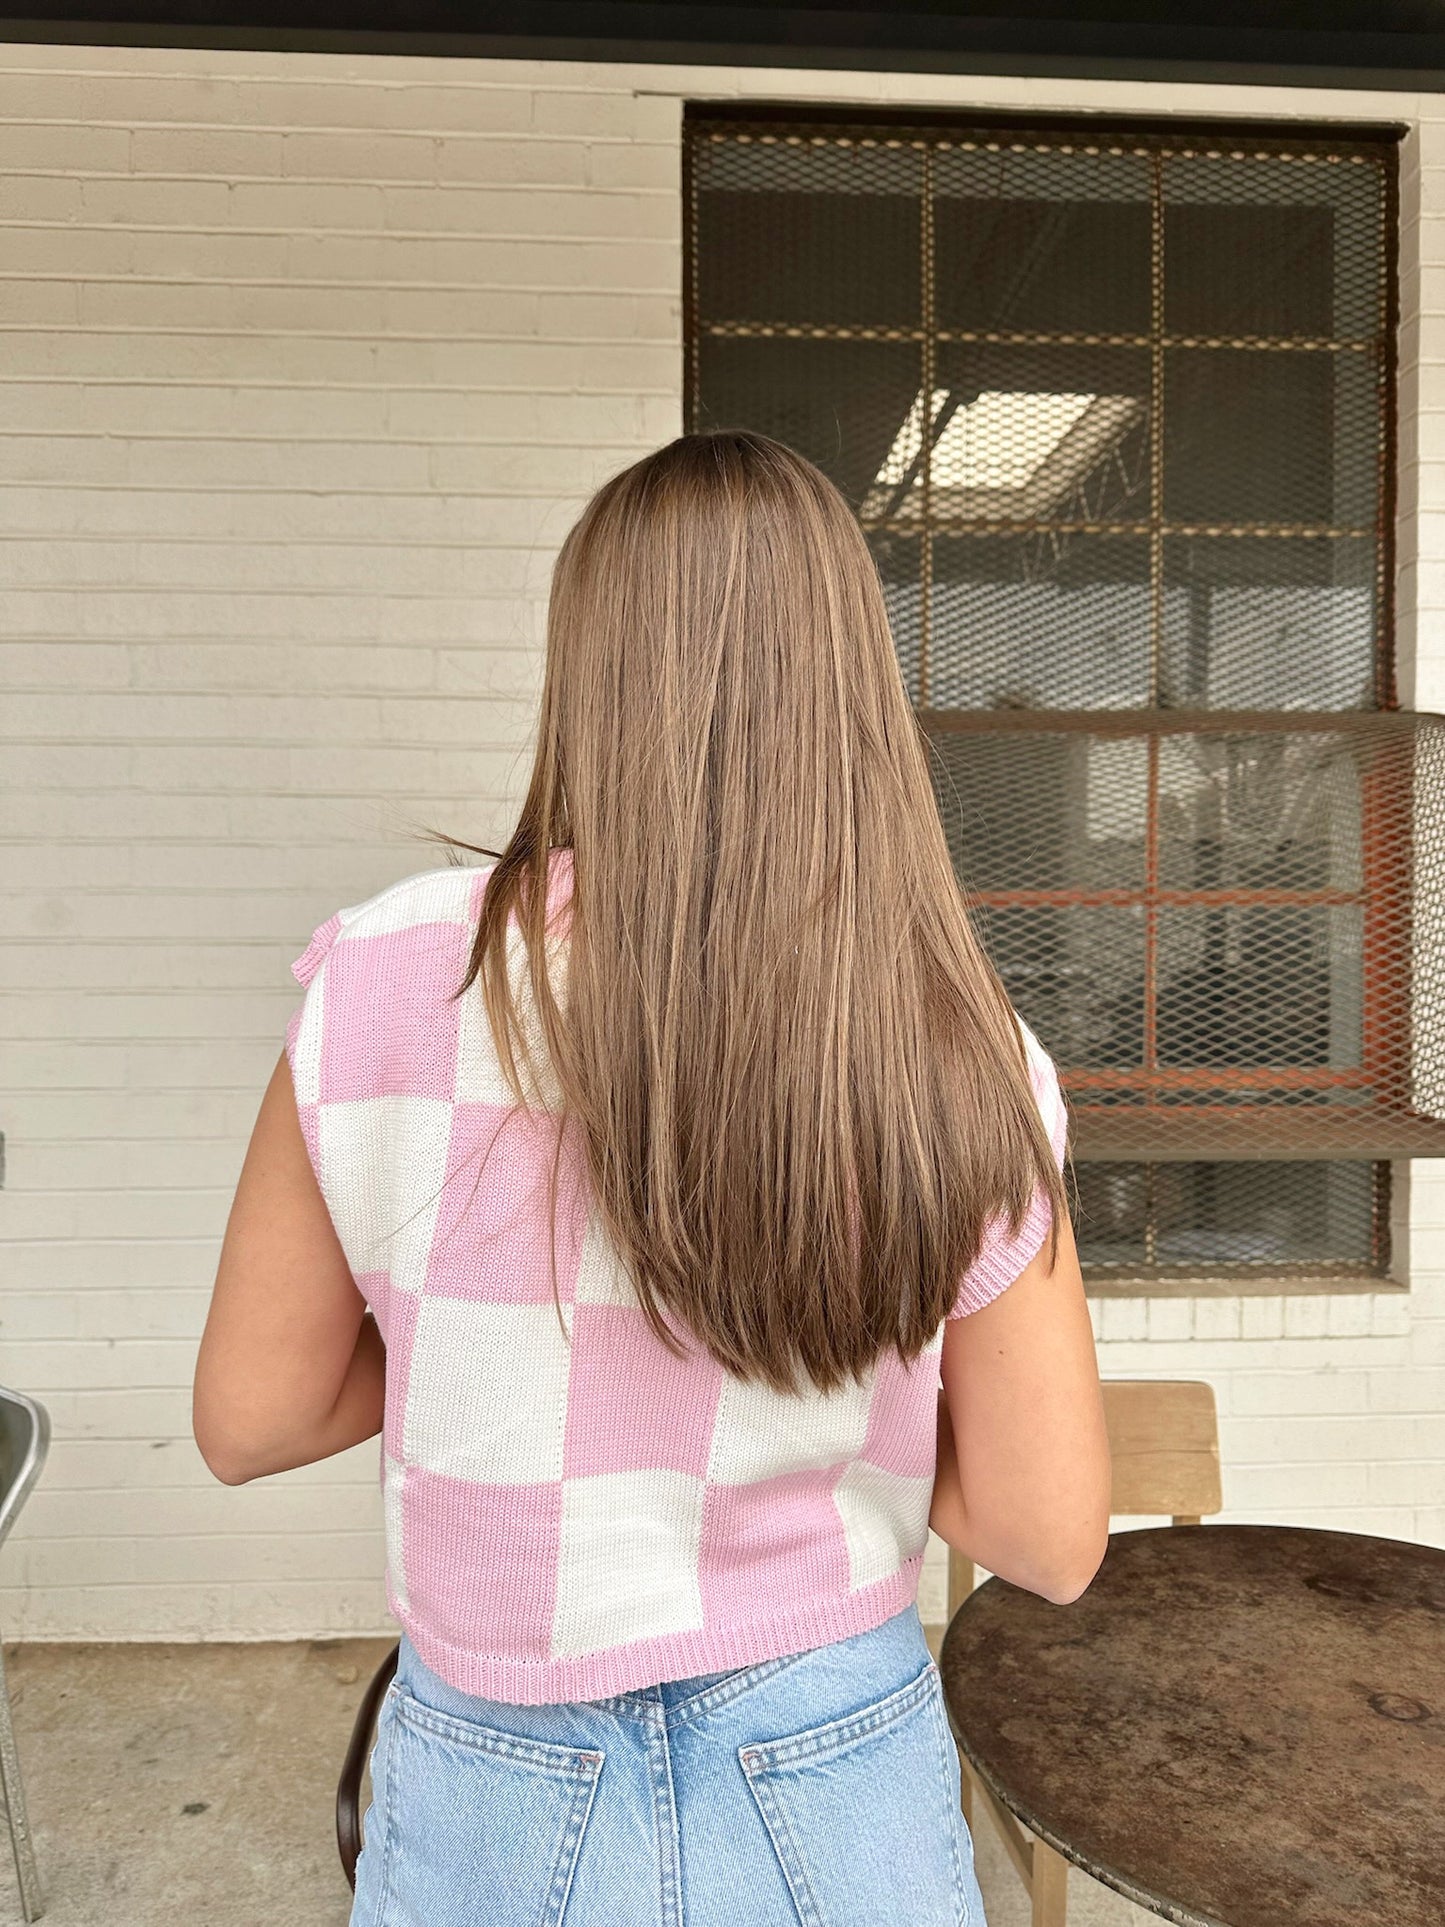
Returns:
(1115, 410)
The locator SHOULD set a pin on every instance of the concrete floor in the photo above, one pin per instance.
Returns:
(196, 1784)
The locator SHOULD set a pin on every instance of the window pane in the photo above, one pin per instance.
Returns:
(1076, 976)
(1028, 239)
(1252, 436)
(1061, 812)
(804, 231)
(1251, 987)
(1269, 623)
(1266, 1215)
(1041, 621)
(1272, 247)
(837, 402)
(1276, 812)
(1029, 434)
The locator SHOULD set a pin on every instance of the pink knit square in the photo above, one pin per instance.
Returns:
(632, 1406)
(903, 1417)
(494, 1227)
(771, 1546)
(481, 1562)
(390, 1026)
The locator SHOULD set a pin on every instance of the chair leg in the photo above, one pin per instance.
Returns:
(961, 1578)
(1049, 1886)
(26, 1873)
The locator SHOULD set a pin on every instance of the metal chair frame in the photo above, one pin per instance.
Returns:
(24, 1442)
(348, 1787)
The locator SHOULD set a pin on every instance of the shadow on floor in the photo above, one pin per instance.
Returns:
(196, 1784)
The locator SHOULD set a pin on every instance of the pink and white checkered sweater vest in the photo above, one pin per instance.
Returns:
(571, 1511)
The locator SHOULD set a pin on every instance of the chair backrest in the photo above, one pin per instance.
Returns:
(1164, 1440)
(24, 1441)
(1164, 1443)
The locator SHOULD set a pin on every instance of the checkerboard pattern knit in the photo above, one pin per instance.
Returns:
(572, 1512)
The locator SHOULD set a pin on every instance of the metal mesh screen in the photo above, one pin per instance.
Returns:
(1115, 412)
(1231, 1220)
(1230, 929)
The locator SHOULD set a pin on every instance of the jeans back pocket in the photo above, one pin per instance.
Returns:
(864, 1818)
(480, 1828)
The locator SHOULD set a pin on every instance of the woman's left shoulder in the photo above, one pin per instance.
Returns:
(450, 895)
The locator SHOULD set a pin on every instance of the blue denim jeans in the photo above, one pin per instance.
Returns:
(817, 1790)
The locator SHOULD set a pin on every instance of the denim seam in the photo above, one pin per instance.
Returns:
(388, 1825)
(664, 1812)
(775, 1820)
(672, 1857)
(708, 1699)
(557, 1762)
(569, 1847)
(947, 1740)
(637, 1699)
(821, 1742)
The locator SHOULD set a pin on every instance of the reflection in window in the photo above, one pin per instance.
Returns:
(1010, 457)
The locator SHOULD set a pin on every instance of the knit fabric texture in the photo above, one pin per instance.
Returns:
(571, 1511)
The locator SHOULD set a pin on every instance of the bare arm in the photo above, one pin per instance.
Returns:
(1022, 1484)
(291, 1369)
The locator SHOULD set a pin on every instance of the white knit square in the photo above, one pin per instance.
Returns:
(306, 1053)
(759, 1433)
(627, 1562)
(487, 1392)
(885, 1520)
(602, 1277)
(437, 896)
(479, 1069)
(392, 1475)
(383, 1165)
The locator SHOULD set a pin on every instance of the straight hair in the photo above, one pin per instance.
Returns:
(802, 1091)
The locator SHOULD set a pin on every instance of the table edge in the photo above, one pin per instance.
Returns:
(1170, 1910)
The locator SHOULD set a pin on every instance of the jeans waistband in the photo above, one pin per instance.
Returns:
(885, 1651)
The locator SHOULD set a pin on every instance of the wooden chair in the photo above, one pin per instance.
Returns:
(1164, 1439)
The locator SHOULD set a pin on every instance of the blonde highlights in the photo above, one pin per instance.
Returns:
(800, 1087)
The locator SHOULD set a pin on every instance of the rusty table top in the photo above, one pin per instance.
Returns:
(1236, 1726)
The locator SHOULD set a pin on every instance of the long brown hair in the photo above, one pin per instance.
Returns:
(800, 1086)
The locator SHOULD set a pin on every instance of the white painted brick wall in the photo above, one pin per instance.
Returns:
(306, 365)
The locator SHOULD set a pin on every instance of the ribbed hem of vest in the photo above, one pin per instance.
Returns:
(680, 1655)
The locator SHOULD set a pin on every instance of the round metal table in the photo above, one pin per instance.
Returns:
(1235, 1726)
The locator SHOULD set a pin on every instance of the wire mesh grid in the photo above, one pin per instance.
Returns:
(1230, 929)
(1235, 1220)
(1115, 411)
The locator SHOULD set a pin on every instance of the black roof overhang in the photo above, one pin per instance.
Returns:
(1393, 45)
